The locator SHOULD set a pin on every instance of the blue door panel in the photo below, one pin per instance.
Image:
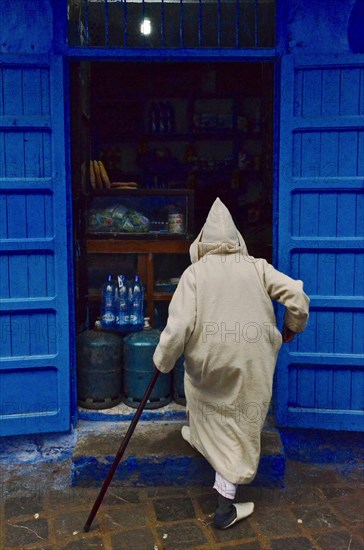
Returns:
(320, 376)
(34, 308)
(336, 207)
(323, 272)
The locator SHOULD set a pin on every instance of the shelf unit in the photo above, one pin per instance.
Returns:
(148, 201)
(145, 246)
(121, 97)
(149, 155)
(145, 251)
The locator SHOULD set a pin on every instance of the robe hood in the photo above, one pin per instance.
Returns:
(219, 235)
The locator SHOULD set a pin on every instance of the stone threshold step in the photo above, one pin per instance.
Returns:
(157, 455)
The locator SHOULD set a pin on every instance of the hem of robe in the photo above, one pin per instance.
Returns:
(227, 474)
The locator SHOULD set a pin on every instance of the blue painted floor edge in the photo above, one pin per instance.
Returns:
(148, 416)
(36, 449)
(173, 470)
(322, 446)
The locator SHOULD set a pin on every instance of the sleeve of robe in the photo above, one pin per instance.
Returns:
(288, 292)
(180, 323)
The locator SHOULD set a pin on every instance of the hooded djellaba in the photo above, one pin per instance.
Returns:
(221, 318)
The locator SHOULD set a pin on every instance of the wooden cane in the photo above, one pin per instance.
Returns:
(121, 451)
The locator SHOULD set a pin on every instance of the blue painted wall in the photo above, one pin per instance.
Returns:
(325, 26)
(26, 27)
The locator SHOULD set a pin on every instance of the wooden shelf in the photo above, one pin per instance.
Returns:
(161, 296)
(145, 192)
(157, 296)
(126, 246)
(194, 135)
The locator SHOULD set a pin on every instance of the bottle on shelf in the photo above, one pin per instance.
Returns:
(122, 303)
(163, 118)
(136, 304)
(108, 303)
(154, 118)
(170, 117)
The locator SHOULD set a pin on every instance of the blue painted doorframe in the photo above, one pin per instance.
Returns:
(320, 378)
(34, 248)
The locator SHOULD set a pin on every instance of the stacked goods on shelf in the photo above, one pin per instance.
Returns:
(122, 304)
(99, 178)
(117, 218)
(97, 174)
(124, 185)
(92, 175)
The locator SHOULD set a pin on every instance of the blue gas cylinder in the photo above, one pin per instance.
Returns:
(99, 368)
(139, 348)
(178, 382)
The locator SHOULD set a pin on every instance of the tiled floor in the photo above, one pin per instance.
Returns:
(320, 508)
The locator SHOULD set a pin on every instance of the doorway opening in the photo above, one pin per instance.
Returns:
(153, 145)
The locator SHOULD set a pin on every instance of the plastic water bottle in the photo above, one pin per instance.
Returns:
(108, 303)
(122, 306)
(136, 296)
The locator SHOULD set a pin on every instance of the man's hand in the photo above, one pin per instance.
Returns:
(287, 334)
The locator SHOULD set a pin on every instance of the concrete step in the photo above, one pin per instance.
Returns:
(157, 455)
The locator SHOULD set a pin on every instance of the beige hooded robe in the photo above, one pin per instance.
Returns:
(221, 318)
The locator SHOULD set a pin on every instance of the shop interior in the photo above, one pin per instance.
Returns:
(153, 145)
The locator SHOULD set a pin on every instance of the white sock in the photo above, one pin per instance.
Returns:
(224, 487)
